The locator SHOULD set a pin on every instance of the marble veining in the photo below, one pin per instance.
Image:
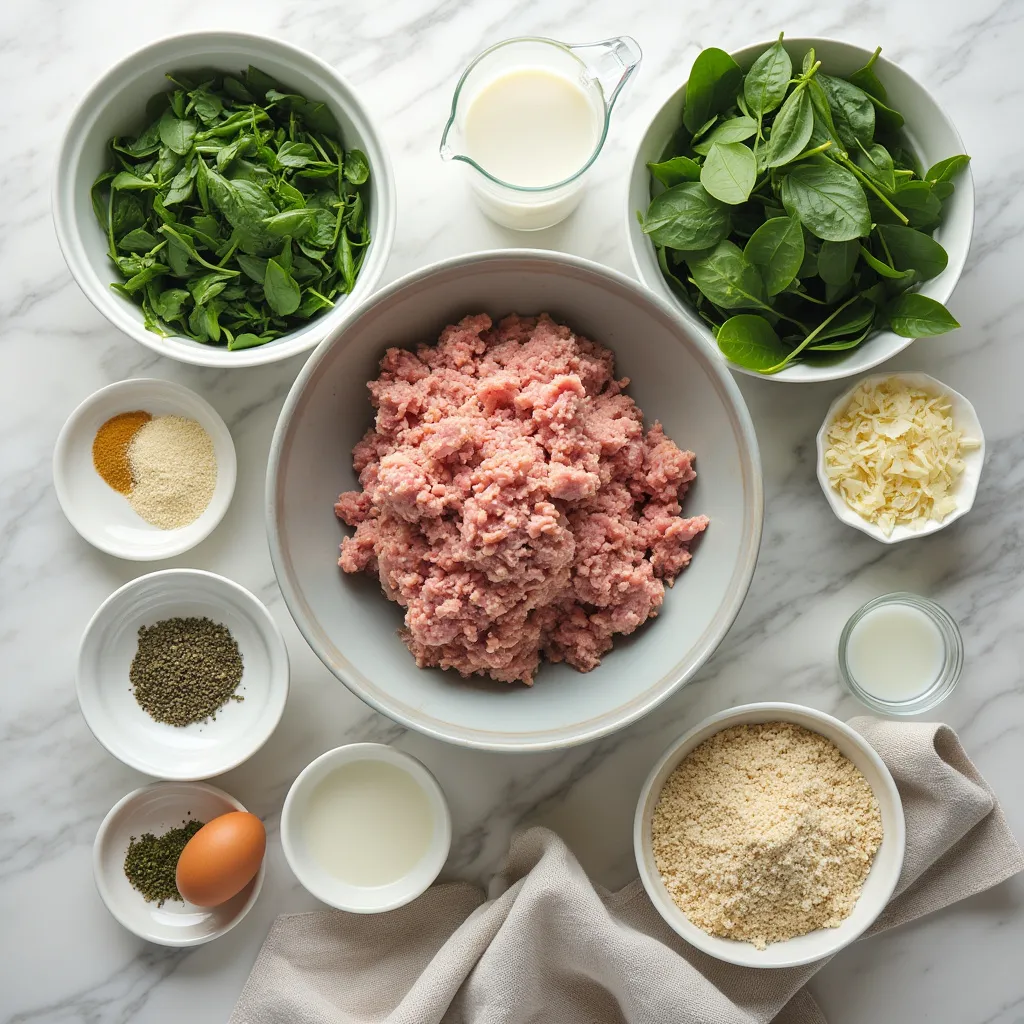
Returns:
(63, 959)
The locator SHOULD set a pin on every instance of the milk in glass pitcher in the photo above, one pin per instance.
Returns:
(529, 118)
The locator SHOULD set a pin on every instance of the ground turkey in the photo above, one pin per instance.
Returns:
(511, 501)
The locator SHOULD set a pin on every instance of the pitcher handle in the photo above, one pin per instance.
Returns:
(610, 63)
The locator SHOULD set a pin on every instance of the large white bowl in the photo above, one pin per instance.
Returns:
(115, 105)
(932, 136)
(878, 887)
(347, 620)
(965, 418)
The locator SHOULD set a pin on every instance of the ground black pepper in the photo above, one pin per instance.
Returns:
(185, 670)
(152, 861)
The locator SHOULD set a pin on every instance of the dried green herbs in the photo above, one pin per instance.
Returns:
(789, 211)
(151, 862)
(236, 215)
(185, 670)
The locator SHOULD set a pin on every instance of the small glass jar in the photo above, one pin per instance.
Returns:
(949, 670)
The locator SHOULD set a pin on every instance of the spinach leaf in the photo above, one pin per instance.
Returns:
(866, 79)
(686, 217)
(295, 223)
(128, 181)
(736, 129)
(766, 83)
(887, 120)
(357, 169)
(176, 133)
(918, 201)
(777, 249)
(729, 172)
(913, 250)
(295, 154)
(138, 240)
(875, 161)
(675, 170)
(852, 318)
(750, 341)
(714, 81)
(913, 315)
(827, 199)
(728, 278)
(792, 128)
(837, 260)
(253, 266)
(948, 169)
(283, 294)
(852, 111)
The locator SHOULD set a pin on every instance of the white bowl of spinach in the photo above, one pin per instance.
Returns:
(224, 198)
(810, 208)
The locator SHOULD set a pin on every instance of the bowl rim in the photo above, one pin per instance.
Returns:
(61, 455)
(279, 683)
(956, 264)
(559, 738)
(349, 753)
(104, 892)
(70, 244)
(965, 498)
(721, 719)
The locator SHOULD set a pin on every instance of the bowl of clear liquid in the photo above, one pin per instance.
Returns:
(901, 654)
(365, 828)
(529, 118)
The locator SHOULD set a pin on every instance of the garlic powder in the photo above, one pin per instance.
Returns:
(894, 454)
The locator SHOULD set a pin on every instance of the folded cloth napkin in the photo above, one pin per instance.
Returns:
(549, 946)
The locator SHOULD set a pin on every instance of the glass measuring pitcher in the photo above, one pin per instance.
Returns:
(596, 70)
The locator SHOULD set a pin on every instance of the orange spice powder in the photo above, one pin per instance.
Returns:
(110, 448)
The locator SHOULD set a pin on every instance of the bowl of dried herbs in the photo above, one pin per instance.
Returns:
(224, 198)
(807, 204)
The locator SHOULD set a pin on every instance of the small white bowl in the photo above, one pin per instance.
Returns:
(115, 105)
(358, 899)
(881, 880)
(965, 418)
(156, 808)
(189, 752)
(933, 137)
(103, 516)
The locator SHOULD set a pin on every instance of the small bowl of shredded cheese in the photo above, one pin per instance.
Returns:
(900, 456)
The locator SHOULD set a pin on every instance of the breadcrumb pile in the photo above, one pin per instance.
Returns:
(766, 832)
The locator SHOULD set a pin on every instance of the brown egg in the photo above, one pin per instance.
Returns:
(220, 860)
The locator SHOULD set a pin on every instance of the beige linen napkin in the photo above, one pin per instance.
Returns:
(549, 946)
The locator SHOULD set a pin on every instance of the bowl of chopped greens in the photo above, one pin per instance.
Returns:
(224, 198)
(807, 204)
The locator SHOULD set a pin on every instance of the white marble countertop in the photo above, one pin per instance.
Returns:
(63, 959)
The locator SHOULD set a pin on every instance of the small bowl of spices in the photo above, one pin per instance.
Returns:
(144, 469)
(135, 861)
(182, 674)
(771, 835)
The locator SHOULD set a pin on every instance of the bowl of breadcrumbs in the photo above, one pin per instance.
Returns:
(771, 835)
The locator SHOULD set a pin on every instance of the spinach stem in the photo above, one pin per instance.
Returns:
(850, 165)
(812, 152)
(885, 248)
(790, 356)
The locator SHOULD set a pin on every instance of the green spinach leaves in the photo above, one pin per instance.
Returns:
(790, 212)
(236, 215)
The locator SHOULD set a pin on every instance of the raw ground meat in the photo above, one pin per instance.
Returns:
(511, 502)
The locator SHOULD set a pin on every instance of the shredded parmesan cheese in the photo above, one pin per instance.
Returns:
(894, 454)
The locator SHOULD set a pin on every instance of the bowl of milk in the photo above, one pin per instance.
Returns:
(901, 654)
(365, 828)
(529, 118)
